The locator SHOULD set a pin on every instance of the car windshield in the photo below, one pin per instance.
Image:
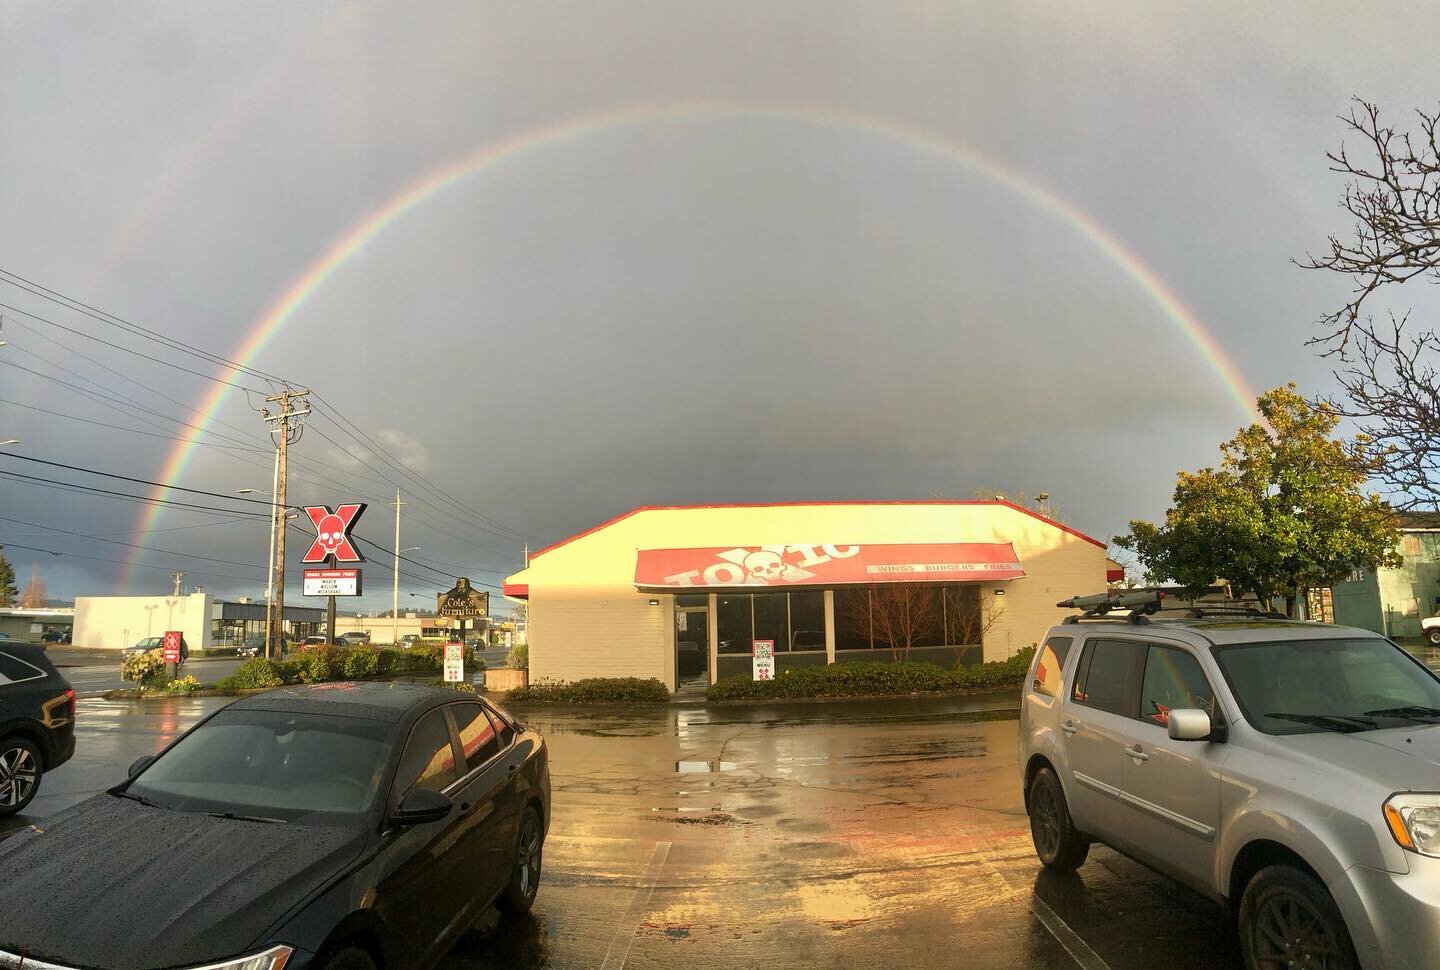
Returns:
(1349, 685)
(276, 765)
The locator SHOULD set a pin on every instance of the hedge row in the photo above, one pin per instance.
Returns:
(318, 666)
(593, 690)
(870, 679)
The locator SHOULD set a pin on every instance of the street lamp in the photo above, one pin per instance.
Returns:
(395, 592)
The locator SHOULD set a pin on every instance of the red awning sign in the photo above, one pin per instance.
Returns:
(828, 565)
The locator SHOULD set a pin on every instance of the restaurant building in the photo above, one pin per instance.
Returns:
(682, 593)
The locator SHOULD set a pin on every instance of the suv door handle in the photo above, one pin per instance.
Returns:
(1138, 753)
(1069, 727)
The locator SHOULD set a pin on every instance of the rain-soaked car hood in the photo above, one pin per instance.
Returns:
(1396, 759)
(114, 883)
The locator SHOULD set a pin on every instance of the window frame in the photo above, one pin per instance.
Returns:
(455, 754)
(449, 708)
(7, 681)
(1130, 696)
(1064, 662)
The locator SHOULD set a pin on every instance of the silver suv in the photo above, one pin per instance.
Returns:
(1291, 770)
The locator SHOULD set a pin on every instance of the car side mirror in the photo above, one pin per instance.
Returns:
(139, 765)
(1190, 724)
(420, 806)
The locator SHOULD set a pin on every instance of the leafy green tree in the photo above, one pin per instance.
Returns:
(8, 590)
(1286, 510)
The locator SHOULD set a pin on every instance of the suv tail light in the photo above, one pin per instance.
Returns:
(70, 701)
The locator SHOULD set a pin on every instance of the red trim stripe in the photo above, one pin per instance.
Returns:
(780, 505)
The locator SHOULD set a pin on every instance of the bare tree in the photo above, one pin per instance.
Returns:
(1387, 371)
(898, 615)
(34, 595)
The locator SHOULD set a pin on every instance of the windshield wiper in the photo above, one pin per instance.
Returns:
(135, 798)
(1409, 713)
(245, 818)
(1344, 723)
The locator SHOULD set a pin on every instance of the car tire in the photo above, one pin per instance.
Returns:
(519, 894)
(1434, 636)
(1288, 918)
(21, 768)
(350, 958)
(1058, 844)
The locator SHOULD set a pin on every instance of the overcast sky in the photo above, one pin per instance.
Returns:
(765, 283)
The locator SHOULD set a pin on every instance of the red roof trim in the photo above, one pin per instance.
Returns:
(777, 505)
(519, 590)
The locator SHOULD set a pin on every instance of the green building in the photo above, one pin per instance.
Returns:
(1392, 602)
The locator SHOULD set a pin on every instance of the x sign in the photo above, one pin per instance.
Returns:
(332, 531)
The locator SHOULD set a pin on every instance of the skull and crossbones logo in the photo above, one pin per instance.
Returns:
(765, 566)
(332, 533)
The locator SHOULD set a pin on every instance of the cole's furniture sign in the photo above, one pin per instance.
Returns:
(463, 601)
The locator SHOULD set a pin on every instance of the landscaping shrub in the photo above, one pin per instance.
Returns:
(320, 664)
(289, 670)
(593, 690)
(142, 666)
(870, 679)
(519, 657)
(387, 660)
(253, 674)
(360, 663)
(463, 686)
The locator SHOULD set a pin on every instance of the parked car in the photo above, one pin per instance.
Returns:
(1430, 628)
(253, 646)
(409, 640)
(1291, 770)
(37, 723)
(310, 643)
(154, 643)
(6, 636)
(55, 636)
(306, 828)
(357, 639)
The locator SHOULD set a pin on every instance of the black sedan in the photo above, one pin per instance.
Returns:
(338, 826)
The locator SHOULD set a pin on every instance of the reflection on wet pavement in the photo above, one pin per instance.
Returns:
(856, 835)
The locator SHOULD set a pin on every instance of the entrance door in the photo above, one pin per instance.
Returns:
(692, 640)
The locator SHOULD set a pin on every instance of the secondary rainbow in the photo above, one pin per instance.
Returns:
(340, 252)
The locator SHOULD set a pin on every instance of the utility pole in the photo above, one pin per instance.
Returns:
(293, 404)
(395, 597)
(175, 578)
(270, 563)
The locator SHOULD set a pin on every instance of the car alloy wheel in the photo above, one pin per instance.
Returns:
(1045, 821)
(19, 773)
(528, 861)
(1288, 932)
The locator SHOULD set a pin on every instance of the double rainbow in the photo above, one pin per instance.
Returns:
(340, 252)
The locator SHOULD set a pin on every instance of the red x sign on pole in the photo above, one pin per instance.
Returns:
(332, 533)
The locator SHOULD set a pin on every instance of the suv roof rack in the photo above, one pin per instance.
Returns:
(1141, 605)
(1206, 612)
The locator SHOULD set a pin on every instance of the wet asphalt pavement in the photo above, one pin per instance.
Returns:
(858, 835)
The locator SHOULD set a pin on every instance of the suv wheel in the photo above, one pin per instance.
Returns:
(1434, 636)
(20, 771)
(1057, 843)
(1287, 919)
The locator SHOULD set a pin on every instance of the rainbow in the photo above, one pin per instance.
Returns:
(422, 190)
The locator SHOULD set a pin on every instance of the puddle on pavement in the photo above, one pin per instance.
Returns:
(703, 767)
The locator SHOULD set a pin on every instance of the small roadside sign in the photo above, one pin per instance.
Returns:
(171, 653)
(763, 660)
(454, 662)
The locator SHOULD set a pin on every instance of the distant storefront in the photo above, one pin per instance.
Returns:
(21, 623)
(1393, 601)
(682, 594)
(113, 622)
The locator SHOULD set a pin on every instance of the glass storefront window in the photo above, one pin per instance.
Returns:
(964, 626)
(772, 618)
(807, 620)
(733, 625)
(852, 619)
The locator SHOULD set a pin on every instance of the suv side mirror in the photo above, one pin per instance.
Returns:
(1190, 724)
(139, 765)
(420, 806)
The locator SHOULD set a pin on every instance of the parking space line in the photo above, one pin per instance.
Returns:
(1078, 949)
(625, 933)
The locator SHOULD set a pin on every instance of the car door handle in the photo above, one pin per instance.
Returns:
(1069, 727)
(465, 808)
(514, 768)
(1138, 753)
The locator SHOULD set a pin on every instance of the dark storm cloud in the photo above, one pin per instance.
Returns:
(696, 309)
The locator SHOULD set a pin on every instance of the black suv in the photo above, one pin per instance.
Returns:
(37, 722)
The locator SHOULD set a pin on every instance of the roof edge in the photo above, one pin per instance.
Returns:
(780, 505)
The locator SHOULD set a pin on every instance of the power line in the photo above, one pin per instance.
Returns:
(137, 481)
(116, 427)
(142, 499)
(119, 322)
(118, 562)
(132, 545)
(136, 353)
